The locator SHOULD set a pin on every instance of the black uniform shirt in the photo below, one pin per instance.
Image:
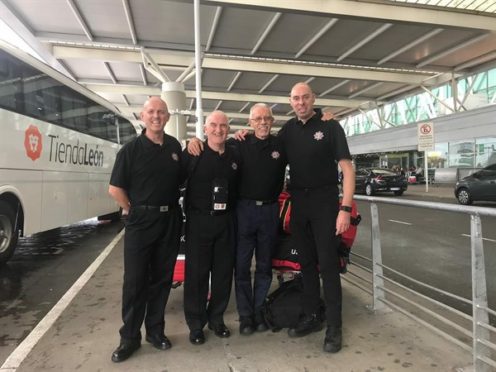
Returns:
(209, 166)
(262, 167)
(313, 150)
(150, 173)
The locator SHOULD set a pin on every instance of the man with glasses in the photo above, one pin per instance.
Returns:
(314, 149)
(263, 164)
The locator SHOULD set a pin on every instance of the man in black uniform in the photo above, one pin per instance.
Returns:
(314, 149)
(210, 230)
(262, 175)
(145, 183)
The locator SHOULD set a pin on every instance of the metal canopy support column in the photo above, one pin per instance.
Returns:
(454, 92)
(174, 95)
(199, 109)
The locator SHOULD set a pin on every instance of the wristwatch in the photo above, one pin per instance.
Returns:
(345, 208)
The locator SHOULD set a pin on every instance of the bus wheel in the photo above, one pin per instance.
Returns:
(8, 232)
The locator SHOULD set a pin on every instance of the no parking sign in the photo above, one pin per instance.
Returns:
(425, 133)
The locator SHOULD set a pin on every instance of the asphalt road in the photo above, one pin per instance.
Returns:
(42, 269)
(430, 246)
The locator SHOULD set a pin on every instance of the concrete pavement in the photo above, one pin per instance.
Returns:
(85, 334)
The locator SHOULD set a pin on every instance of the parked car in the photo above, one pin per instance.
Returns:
(372, 180)
(479, 186)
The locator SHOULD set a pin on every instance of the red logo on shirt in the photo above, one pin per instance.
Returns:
(33, 142)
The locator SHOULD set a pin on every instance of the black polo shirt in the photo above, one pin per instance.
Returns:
(209, 166)
(150, 173)
(313, 150)
(262, 167)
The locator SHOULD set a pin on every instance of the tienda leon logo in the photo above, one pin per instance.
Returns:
(33, 142)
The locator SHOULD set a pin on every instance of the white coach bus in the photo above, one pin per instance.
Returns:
(58, 143)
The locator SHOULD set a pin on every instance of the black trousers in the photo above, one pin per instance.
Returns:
(313, 228)
(151, 244)
(210, 245)
(257, 233)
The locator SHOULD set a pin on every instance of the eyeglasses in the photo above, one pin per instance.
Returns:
(259, 120)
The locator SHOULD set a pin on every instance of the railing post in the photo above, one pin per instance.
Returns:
(479, 295)
(377, 281)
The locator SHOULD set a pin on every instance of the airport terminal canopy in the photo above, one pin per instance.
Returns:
(355, 54)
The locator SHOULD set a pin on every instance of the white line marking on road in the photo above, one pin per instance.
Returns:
(401, 222)
(21, 352)
(489, 240)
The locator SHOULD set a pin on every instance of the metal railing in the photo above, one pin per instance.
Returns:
(447, 321)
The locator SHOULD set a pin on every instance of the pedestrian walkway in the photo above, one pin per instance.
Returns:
(435, 192)
(86, 333)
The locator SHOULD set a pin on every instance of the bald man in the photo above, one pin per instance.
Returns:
(145, 183)
(315, 148)
(210, 234)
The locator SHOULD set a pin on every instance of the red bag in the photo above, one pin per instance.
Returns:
(286, 255)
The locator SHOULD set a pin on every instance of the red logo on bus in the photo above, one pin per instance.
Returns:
(33, 142)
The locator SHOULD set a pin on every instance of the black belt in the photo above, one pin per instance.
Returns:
(259, 203)
(207, 212)
(160, 208)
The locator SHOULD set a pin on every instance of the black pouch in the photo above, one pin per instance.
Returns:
(219, 195)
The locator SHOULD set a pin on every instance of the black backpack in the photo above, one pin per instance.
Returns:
(283, 307)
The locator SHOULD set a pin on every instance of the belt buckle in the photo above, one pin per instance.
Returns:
(258, 203)
(164, 208)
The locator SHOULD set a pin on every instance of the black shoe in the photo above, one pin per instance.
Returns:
(333, 340)
(159, 341)
(246, 325)
(261, 327)
(260, 324)
(306, 325)
(220, 330)
(125, 350)
(196, 337)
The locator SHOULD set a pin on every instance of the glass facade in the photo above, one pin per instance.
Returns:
(472, 91)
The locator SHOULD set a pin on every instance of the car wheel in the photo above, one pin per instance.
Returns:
(8, 232)
(399, 192)
(464, 197)
(369, 191)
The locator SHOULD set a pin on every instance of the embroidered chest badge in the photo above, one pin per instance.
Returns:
(234, 166)
(175, 156)
(318, 135)
(275, 155)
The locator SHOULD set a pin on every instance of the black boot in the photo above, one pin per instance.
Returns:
(306, 325)
(333, 339)
(260, 324)
(246, 326)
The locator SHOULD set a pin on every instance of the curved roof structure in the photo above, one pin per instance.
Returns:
(355, 54)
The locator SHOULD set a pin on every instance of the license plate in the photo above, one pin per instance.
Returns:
(395, 188)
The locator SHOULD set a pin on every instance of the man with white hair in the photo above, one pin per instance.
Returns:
(210, 230)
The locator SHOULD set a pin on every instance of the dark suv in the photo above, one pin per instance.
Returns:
(479, 186)
(372, 180)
